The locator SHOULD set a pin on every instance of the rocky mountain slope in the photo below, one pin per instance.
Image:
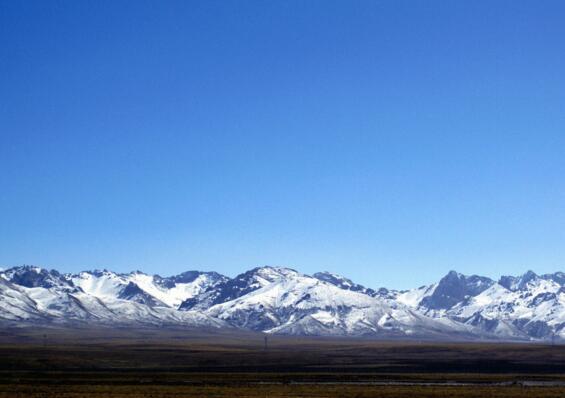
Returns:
(284, 301)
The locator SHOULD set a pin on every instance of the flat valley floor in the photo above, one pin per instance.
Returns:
(99, 362)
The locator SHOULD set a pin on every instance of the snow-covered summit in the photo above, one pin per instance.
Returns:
(283, 300)
(33, 276)
(144, 288)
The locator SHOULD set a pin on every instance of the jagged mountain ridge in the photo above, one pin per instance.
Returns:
(282, 300)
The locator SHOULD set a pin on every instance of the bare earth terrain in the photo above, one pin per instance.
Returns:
(51, 362)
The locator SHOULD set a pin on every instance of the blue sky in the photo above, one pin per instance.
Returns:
(390, 141)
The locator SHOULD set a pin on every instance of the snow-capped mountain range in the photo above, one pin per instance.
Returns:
(284, 301)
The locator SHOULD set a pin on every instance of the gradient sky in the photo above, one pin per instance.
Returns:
(389, 141)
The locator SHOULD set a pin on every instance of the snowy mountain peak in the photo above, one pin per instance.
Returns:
(347, 284)
(558, 277)
(271, 273)
(240, 285)
(454, 288)
(33, 276)
(514, 283)
(147, 289)
(282, 300)
(334, 279)
(190, 277)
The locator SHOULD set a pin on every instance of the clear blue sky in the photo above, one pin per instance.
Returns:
(390, 141)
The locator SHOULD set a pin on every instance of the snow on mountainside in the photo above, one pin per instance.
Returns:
(282, 300)
(533, 306)
(146, 289)
(287, 299)
(15, 305)
(51, 297)
(30, 276)
(239, 286)
(527, 306)
(412, 298)
(454, 288)
(347, 284)
(300, 304)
